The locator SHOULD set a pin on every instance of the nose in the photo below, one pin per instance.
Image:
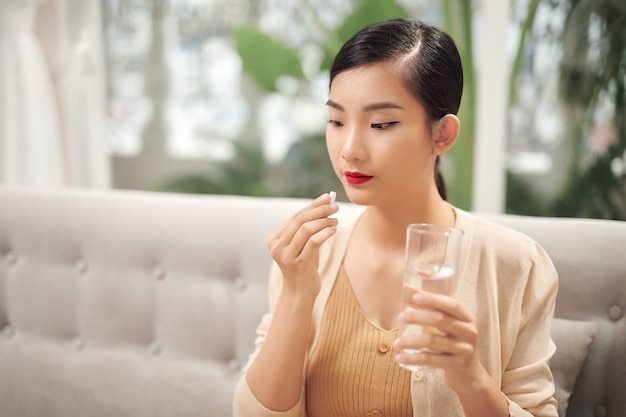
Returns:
(353, 147)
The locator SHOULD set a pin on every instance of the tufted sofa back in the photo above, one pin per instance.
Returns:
(128, 304)
(118, 303)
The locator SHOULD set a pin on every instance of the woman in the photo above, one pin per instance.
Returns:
(329, 346)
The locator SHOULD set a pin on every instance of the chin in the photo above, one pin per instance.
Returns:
(361, 197)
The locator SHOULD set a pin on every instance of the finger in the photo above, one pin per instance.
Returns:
(425, 358)
(432, 318)
(408, 291)
(419, 350)
(318, 208)
(444, 303)
(445, 335)
(284, 227)
(439, 323)
(315, 241)
(433, 350)
(411, 358)
(310, 235)
(460, 357)
(434, 340)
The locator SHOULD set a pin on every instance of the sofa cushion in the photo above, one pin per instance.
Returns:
(572, 339)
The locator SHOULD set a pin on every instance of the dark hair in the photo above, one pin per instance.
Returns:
(431, 71)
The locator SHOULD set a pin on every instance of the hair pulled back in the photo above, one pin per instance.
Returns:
(430, 64)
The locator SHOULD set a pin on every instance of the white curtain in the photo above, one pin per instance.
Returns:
(51, 94)
(30, 143)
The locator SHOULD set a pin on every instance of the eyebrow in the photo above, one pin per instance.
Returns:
(369, 107)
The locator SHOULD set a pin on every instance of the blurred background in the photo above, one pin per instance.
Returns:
(227, 97)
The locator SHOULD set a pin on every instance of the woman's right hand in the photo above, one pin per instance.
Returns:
(294, 246)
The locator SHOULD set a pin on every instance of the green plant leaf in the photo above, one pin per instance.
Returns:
(367, 12)
(265, 58)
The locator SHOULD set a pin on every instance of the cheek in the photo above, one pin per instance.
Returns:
(411, 157)
(333, 146)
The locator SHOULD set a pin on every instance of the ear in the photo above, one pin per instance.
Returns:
(445, 134)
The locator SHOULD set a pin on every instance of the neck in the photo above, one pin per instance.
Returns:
(386, 224)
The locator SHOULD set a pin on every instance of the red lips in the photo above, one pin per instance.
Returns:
(356, 178)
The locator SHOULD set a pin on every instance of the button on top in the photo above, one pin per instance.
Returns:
(10, 257)
(81, 266)
(158, 272)
(383, 348)
(377, 413)
(234, 365)
(8, 331)
(615, 313)
(418, 376)
(240, 284)
(79, 344)
(155, 348)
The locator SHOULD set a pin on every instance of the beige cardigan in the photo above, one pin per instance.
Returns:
(507, 275)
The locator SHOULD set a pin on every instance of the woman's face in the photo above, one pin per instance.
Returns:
(378, 138)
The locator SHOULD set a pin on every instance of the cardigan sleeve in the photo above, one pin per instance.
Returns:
(527, 380)
(245, 404)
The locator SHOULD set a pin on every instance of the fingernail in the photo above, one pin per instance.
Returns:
(418, 298)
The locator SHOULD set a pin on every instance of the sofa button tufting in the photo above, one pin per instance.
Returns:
(241, 284)
(79, 344)
(233, 365)
(599, 411)
(155, 349)
(10, 258)
(615, 313)
(158, 272)
(81, 266)
(8, 331)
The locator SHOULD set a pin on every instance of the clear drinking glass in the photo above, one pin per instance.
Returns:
(432, 262)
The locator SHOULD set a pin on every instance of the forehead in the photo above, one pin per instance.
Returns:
(372, 83)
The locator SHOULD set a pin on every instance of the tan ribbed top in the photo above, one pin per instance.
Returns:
(352, 371)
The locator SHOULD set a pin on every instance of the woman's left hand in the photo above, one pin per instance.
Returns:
(450, 343)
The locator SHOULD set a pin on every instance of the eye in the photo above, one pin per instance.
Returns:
(335, 123)
(382, 126)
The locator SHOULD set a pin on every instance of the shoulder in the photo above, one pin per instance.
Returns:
(487, 234)
(505, 249)
(500, 260)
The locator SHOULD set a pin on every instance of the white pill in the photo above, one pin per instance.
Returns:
(333, 195)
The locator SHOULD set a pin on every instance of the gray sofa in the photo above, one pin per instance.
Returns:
(118, 303)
